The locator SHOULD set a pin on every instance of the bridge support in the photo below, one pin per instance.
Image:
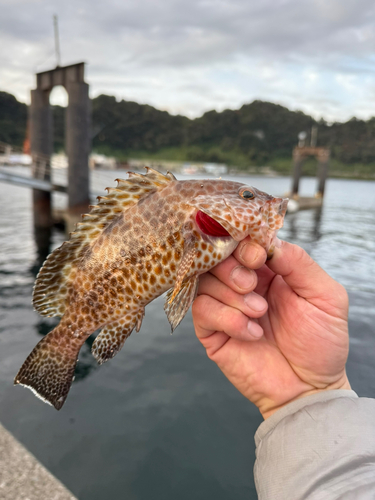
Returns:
(77, 137)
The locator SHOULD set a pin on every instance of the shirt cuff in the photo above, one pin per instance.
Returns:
(320, 397)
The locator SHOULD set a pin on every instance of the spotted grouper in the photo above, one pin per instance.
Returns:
(150, 234)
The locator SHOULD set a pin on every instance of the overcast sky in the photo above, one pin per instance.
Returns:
(190, 56)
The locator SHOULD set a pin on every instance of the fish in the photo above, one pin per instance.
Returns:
(149, 235)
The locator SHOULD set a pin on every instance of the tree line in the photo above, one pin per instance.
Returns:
(255, 134)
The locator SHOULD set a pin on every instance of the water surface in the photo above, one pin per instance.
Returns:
(160, 421)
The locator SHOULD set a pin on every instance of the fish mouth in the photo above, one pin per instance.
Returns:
(283, 206)
(210, 226)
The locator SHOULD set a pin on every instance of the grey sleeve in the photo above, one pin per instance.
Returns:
(318, 447)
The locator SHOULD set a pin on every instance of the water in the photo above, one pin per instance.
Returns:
(160, 421)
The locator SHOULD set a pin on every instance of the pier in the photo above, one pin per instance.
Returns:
(23, 477)
(31, 182)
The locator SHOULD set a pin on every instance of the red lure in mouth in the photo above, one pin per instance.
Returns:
(209, 226)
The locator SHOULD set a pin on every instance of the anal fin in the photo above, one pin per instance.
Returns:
(177, 303)
(112, 337)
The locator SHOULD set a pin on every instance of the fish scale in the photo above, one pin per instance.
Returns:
(150, 234)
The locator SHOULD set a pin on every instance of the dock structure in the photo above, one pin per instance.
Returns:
(31, 182)
(23, 477)
(77, 138)
(300, 154)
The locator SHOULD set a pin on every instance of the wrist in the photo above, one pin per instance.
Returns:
(269, 407)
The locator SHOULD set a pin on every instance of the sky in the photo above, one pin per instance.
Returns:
(191, 56)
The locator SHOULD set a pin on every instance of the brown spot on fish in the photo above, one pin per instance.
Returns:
(170, 240)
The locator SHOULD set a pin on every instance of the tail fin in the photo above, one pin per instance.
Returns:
(49, 369)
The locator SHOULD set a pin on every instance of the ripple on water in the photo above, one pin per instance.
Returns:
(160, 408)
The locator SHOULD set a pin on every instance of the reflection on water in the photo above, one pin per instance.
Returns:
(159, 420)
(296, 226)
(43, 240)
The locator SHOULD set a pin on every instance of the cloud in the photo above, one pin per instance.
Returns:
(188, 57)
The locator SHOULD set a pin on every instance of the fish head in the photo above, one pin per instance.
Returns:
(241, 211)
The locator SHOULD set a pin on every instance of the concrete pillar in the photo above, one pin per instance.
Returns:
(78, 146)
(41, 147)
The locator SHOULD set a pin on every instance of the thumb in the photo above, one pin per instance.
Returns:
(306, 278)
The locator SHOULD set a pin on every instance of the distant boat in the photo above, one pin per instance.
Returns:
(59, 160)
(189, 169)
(16, 159)
(215, 168)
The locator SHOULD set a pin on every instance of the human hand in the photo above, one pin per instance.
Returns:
(296, 342)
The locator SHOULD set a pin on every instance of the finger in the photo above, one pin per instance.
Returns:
(265, 277)
(236, 276)
(211, 316)
(250, 254)
(251, 304)
(305, 276)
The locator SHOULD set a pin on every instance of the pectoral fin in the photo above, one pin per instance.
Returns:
(188, 257)
(178, 302)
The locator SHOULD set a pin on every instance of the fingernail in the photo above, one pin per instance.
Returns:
(255, 302)
(242, 277)
(254, 329)
(249, 253)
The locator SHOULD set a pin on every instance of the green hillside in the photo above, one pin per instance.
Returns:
(13, 117)
(260, 133)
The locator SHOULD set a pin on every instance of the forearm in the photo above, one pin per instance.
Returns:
(318, 447)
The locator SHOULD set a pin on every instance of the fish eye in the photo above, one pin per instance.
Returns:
(247, 195)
